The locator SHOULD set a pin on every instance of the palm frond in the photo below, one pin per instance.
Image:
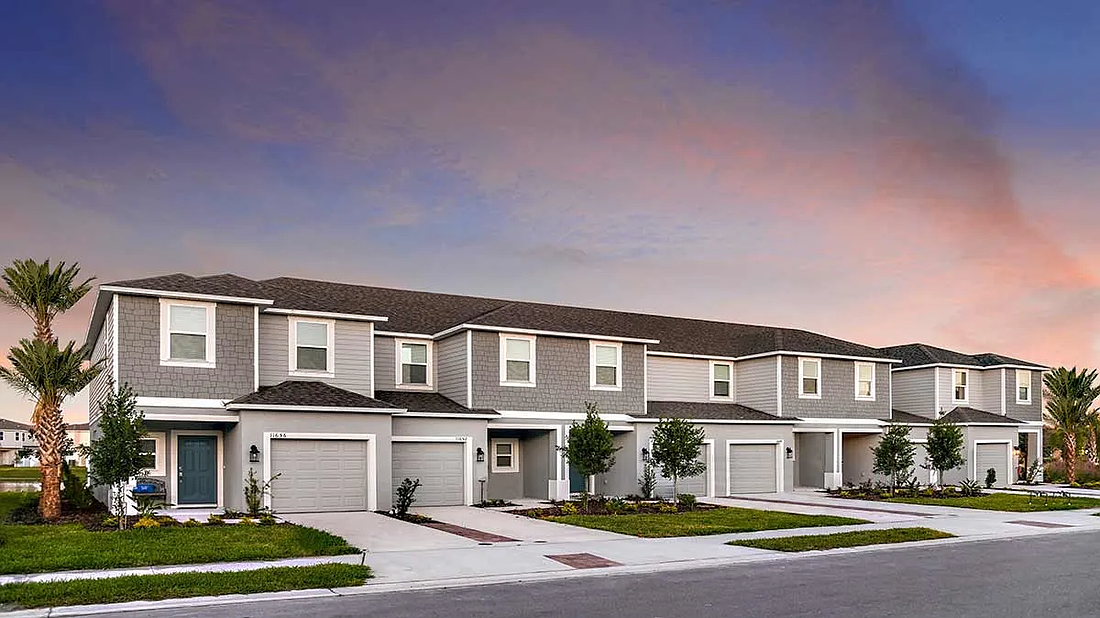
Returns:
(41, 291)
(42, 370)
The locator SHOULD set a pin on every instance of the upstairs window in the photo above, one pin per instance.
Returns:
(865, 381)
(1023, 386)
(414, 358)
(721, 380)
(606, 369)
(517, 360)
(961, 381)
(809, 377)
(311, 346)
(186, 333)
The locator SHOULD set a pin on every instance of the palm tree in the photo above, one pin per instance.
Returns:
(1069, 403)
(42, 293)
(48, 374)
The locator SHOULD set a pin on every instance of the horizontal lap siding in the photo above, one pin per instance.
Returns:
(103, 353)
(352, 353)
(678, 379)
(385, 359)
(450, 367)
(989, 390)
(914, 391)
(756, 384)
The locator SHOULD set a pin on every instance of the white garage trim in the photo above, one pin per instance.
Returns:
(778, 461)
(173, 475)
(974, 456)
(372, 458)
(559, 489)
(467, 462)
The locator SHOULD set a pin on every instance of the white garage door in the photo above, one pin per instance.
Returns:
(752, 468)
(921, 468)
(992, 456)
(695, 485)
(319, 475)
(438, 465)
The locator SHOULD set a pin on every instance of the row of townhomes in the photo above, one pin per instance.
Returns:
(343, 390)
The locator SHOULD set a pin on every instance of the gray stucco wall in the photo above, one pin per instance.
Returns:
(139, 353)
(562, 378)
(625, 474)
(352, 350)
(914, 391)
(756, 384)
(838, 398)
(450, 367)
(1019, 411)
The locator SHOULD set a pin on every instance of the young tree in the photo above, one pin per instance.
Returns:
(894, 454)
(945, 448)
(115, 456)
(48, 374)
(590, 447)
(1069, 396)
(42, 293)
(676, 447)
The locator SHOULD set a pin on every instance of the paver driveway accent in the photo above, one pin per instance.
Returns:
(513, 526)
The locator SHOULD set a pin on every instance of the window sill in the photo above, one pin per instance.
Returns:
(801, 396)
(520, 384)
(1023, 403)
(415, 387)
(600, 387)
(508, 471)
(312, 374)
(187, 363)
(722, 398)
(865, 398)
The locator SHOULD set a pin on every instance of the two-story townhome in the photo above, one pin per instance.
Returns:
(14, 437)
(996, 399)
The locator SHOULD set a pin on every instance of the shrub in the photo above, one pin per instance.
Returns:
(110, 521)
(687, 501)
(970, 488)
(667, 508)
(990, 478)
(26, 512)
(74, 492)
(192, 522)
(648, 483)
(1055, 472)
(167, 521)
(246, 521)
(254, 492)
(615, 505)
(1031, 473)
(267, 519)
(630, 507)
(144, 505)
(215, 520)
(146, 521)
(406, 496)
(568, 508)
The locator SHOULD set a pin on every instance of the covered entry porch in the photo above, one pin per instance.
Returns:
(832, 455)
(524, 462)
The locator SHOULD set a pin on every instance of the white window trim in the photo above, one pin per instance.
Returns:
(504, 381)
(397, 369)
(1028, 400)
(514, 468)
(618, 386)
(161, 455)
(166, 359)
(801, 375)
(874, 376)
(728, 397)
(292, 342)
(955, 372)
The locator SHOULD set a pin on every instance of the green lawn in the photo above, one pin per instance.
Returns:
(1016, 503)
(10, 473)
(179, 585)
(9, 500)
(814, 542)
(699, 523)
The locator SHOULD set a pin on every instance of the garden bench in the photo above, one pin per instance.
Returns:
(150, 489)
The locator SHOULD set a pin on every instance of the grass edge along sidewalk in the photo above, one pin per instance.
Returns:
(1006, 502)
(722, 520)
(856, 538)
(180, 585)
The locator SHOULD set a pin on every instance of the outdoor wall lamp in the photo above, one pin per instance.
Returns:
(645, 454)
(253, 454)
(790, 453)
(480, 455)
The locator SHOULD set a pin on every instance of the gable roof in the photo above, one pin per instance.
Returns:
(709, 411)
(965, 415)
(307, 394)
(431, 403)
(10, 425)
(905, 418)
(921, 354)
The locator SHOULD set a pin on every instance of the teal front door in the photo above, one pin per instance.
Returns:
(576, 481)
(197, 470)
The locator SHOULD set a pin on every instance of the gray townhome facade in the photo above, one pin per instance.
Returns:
(340, 391)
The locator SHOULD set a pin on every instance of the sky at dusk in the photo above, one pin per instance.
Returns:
(883, 173)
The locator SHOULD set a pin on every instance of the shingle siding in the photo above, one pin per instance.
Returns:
(139, 353)
(756, 384)
(450, 367)
(562, 378)
(838, 391)
(914, 391)
(1019, 411)
(352, 361)
(678, 379)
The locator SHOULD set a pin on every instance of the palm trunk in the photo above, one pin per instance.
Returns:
(50, 433)
(1069, 453)
(1094, 458)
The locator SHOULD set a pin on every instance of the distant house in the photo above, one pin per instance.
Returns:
(14, 437)
(79, 432)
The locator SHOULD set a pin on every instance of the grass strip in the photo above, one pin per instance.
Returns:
(817, 542)
(1013, 503)
(699, 523)
(180, 585)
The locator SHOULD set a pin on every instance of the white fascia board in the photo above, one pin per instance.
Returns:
(722, 421)
(546, 333)
(283, 408)
(328, 315)
(179, 402)
(869, 359)
(205, 418)
(843, 421)
(978, 367)
(389, 333)
(698, 356)
(560, 416)
(455, 415)
(214, 298)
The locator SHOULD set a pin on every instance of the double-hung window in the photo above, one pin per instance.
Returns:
(414, 359)
(960, 380)
(1023, 386)
(517, 360)
(607, 362)
(505, 455)
(312, 344)
(865, 381)
(186, 333)
(809, 377)
(721, 380)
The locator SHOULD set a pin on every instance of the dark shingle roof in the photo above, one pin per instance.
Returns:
(221, 285)
(905, 418)
(77, 427)
(417, 401)
(309, 393)
(709, 411)
(6, 424)
(963, 415)
(916, 354)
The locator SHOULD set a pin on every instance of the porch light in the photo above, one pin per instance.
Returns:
(790, 453)
(480, 455)
(253, 454)
(645, 454)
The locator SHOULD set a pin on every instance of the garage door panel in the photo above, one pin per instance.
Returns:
(695, 485)
(438, 465)
(319, 475)
(992, 456)
(752, 468)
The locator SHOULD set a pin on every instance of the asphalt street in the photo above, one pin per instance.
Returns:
(1050, 575)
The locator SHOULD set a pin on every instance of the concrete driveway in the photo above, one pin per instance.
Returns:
(377, 533)
(513, 526)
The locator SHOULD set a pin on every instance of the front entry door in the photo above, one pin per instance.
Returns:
(577, 482)
(197, 470)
